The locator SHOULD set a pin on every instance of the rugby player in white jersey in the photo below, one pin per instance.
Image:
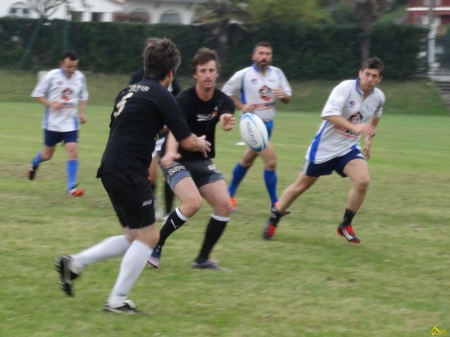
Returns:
(353, 108)
(64, 93)
(257, 89)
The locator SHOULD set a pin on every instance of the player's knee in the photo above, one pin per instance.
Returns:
(46, 156)
(362, 183)
(271, 164)
(192, 206)
(247, 163)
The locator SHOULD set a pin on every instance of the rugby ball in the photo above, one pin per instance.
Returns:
(253, 132)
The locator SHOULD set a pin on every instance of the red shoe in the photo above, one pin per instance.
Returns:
(233, 204)
(75, 192)
(347, 232)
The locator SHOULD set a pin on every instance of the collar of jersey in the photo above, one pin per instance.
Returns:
(357, 87)
(65, 75)
(257, 70)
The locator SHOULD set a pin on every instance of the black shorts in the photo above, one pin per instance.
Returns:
(202, 172)
(132, 198)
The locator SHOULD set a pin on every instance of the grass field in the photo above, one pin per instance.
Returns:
(306, 282)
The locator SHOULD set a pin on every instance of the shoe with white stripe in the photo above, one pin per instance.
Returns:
(121, 307)
(347, 232)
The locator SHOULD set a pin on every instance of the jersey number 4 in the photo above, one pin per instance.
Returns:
(121, 105)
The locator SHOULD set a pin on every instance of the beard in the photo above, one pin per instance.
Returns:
(263, 67)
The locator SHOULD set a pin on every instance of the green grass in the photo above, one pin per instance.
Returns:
(306, 282)
(412, 97)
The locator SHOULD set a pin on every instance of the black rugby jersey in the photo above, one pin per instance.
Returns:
(140, 111)
(202, 116)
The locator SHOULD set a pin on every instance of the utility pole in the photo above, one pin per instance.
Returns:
(431, 36)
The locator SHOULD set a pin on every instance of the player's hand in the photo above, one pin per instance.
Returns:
(227, 121)
(366, 150)
(56, 105)
(164, 129)
(248, 107)
(364, 128)
(167, 160)
(204, 145)
(83, 118)
(279, 93)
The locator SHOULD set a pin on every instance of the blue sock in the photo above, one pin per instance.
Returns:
(238, 174)
(37, 160)
(270, 178)
(72, 168)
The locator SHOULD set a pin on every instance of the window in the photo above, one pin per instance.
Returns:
(20, 10)
(77, 16)
(139, 15)
(170, 17)
(97, 17)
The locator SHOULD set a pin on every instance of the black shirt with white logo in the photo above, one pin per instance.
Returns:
(140, 111)
(202, 117)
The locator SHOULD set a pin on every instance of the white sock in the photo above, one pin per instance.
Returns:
(111, 247)
(133, 263)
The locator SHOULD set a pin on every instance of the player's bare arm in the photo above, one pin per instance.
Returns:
(368, 139)
(82, 111)
(282, 96)
(241, 106)
(227, 121)
(51, 104)
(339, 121)
(194, 143)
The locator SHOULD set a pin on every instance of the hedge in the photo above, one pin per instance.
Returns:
(302, 51)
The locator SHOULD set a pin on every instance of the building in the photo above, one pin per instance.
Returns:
(418, 12)
(148, 11)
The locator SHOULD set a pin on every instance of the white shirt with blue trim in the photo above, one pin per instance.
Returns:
(252, 87)
(345, 100)
(56, 86)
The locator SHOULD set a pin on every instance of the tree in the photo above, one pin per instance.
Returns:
(287, 10)
(219, 16)
(366, 13)
(46, 8)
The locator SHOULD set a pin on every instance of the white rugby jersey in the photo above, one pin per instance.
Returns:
(346, 100)
(55, 86)
(251, 86)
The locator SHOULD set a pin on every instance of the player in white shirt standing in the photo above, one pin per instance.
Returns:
(256, 89)
(353, 108)
(64, 93)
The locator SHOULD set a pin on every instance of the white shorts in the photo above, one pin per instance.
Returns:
(158, 146)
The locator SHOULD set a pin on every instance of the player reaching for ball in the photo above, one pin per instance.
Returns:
(353, 108)
(193, 176)
(258, 88)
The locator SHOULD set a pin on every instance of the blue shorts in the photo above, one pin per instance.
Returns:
(269, 127)
(336, 164)
(202, 172)
(51, 138)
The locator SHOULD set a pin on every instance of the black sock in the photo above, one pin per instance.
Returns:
(212, 235)
(175, 220)
(275, 217)
(168, 196)
(348, 217)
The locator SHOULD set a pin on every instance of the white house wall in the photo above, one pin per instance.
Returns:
(184, 8)
(96, 6)
(158, 8)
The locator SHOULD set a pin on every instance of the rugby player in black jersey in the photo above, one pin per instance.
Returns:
(140, 111)
(191, 175)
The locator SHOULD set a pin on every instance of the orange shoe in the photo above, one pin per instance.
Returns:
(75, 192)
(233, 204)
